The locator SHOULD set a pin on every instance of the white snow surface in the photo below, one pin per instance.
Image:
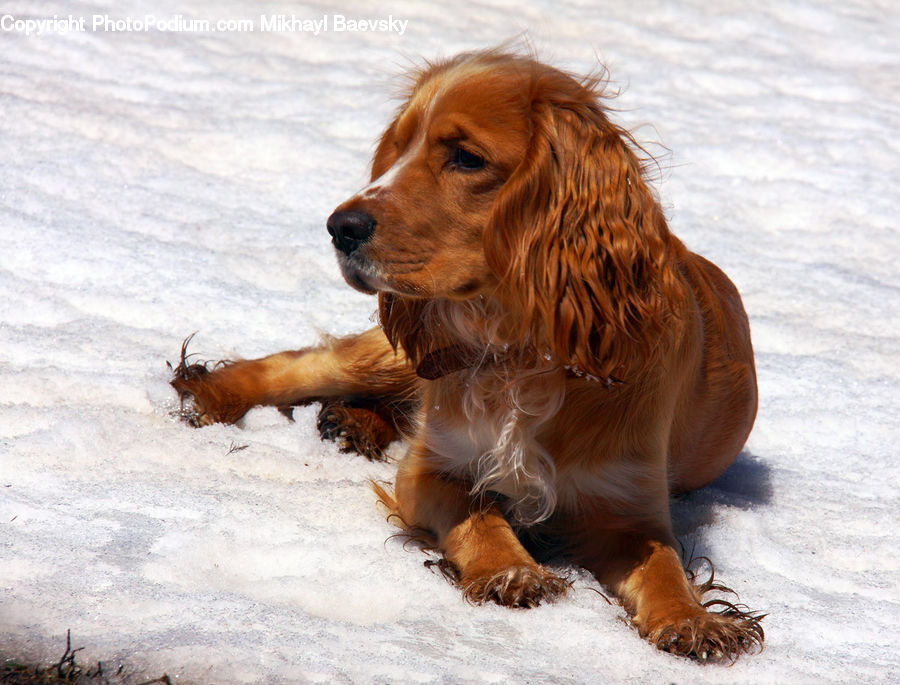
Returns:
(154, 184)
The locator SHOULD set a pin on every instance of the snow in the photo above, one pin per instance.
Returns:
(155, 184)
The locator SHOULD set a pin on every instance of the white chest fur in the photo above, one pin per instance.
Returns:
(486, 433)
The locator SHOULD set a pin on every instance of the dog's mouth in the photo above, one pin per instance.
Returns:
(369, 278)
(361, 274)
(358, 281)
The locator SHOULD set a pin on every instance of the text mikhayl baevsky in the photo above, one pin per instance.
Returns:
(337, 23)
(265, 23)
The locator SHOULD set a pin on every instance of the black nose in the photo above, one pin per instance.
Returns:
(349, 229)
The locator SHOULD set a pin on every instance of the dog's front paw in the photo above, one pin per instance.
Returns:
(517, 586)
(196, 408)
(203, 389)
(355, 429)
(708, 636)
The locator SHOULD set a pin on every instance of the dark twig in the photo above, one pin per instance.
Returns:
(66, 669)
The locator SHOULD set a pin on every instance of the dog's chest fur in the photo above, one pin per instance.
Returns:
(498, 440)
(484, 428)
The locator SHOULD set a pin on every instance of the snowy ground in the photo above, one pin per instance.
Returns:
(153, 184)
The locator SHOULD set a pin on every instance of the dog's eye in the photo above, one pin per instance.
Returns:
(463, 159)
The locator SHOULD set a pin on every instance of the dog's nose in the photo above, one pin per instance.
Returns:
(349, 229)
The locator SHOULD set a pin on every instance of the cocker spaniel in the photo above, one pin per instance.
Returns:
(558, 361)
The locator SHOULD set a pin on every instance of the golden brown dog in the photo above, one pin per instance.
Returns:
(559, 362)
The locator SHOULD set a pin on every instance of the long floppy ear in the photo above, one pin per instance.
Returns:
(579, 240)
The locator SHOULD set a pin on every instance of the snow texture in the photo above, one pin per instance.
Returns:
(153, 184)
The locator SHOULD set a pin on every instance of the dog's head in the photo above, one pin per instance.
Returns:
(502, 178)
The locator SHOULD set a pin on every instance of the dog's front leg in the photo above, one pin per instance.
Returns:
(637, 560)
(485, 557)
(357, 366)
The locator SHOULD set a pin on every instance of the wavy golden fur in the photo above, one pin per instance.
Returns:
(559, 362)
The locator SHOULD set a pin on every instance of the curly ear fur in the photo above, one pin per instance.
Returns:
(579, 239)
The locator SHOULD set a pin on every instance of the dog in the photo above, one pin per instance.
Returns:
(559, 363)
